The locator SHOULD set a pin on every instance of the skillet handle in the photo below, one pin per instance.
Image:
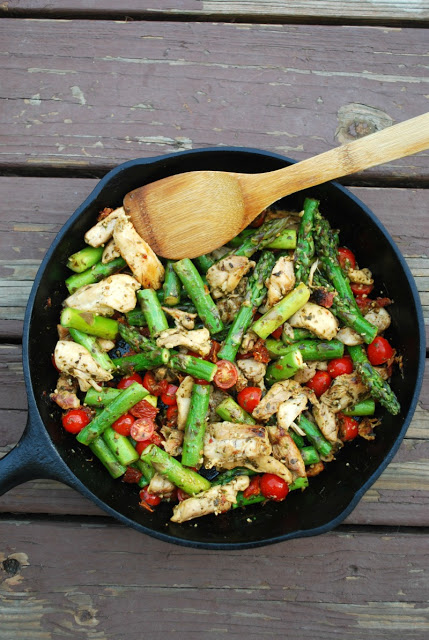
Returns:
(33, 457)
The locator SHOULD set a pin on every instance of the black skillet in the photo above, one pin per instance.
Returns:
(47, 451)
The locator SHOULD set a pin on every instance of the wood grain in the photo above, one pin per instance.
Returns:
(357, 584)
(85, 95)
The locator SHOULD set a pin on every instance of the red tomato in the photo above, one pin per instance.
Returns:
(149, 498)
(319, 382)
(338, 366)
(259, 219)
(249, 398)
(273, 487)
(181, 495)
(131, 475)
(142, 429)
(260, 352)
(154, 439)
(171, 415)
(254, 488)
(144, 409)
(346, 258)
(277, 333)
(123, 424)
(54, 363)
(363, 303)
(361, 289)
(214, 350)
(128, 380)
(348, 427)
(226, 374)
(169, 397)
(201, 381)
(379, 351)
(154, 386)
(75, 420)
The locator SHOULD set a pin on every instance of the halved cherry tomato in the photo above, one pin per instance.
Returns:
(277, 333)
(131, 475)
(273, 487)
(379, 351)
(123, 424)
(259, 219)
(154, 386)
(361, 289)
(260, 352)
(144, 409)
(214, 350)
(346, 258)
(201, 381)
(320, 382)
(249, 398)
(149, 498)
(348, 427)
(339, 366)
(128, 380)
(254, 488)
(142, 429)
(171, 415)
(226, 375)
(75, 420)
(154, 439)
(169, 397)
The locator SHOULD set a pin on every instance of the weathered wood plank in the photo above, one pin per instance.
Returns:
(279, 10)
(86, 95)
(399, 497)
(34, 209)
(356, 584)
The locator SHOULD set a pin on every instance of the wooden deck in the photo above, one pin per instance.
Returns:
(87, 85)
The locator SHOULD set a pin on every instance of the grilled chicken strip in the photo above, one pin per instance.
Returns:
(173, 440)
(160, 485)
(225, 275)
(183, 398)
(281, 281)
(73, 359)
(250, 371)
(229, 307)
(182, 319)
(197, 340)
(325, 420)
(102, 232)
(227, 442)
(317, 319)
(140, 258)
(349, 336)
(279, 392)
(115, 293)
(216, 500)
(285, 450)
(289, 411)
(110, 252)
(360, 276)
(345, 391)
(265, 464)
(65, 393)
(379, 317)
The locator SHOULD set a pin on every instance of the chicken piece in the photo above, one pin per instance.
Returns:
(182, 319)
(164, 373)
(285, 450)
(65, 393)
(173, 440)
(229, 307)
(73, 359)
(197, 340)
(325, 420)
(317, 319)
(110, 252)
(266, 464)
(349, 336)
(281, 281)
(345, 391)
(360, 276)
(269, 404)
(140, 258)
(379, 317)
(248, 342)
(289, 411)
(161, 486)
(224, 276)
(250, 371)
(115, 293)
(183, 398)
(106, 345)
(216, 500)
(63, 333)
(216, 397)
(226, 442)
(309, 369)
(102, 232)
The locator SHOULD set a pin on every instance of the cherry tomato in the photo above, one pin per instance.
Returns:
(131, 475)
(346, 258)
(154, 439)
(361, 289)
(338, 366)
(142, 429)
(226, 374)
(181, 495)
(201, 381)
(128, 380)
(171, 415)
(144, 409)
(249, 398)
(277, 333)
(260, 352)
(54, 363)
(273, 487)
(319, 382)
(75, 420)
(123, 424)
(379, 351)
(254, 488)
(214, 350)
(169, 397)
(149, 498)
(348, 427)
(364, 303)
(154, 386)
(259, 219)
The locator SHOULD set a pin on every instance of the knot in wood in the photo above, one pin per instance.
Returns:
(11, 566)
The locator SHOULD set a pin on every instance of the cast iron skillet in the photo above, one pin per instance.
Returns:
(46, 450)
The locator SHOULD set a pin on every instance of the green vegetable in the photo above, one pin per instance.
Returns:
(193, 441)
(305, 244)
(230, 411)
(100, 449)
(84, 259)
(152, 311)
(120, 446)
(285, 367)
(89, 323)
(378, 387)
(310, 349)
(281, 311)
(171, 286)
(189, 481)
(90, 343)
(96, 273)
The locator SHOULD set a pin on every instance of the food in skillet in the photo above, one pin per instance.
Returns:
(251, 366)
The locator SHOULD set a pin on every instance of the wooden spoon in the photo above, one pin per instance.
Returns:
(192, 213)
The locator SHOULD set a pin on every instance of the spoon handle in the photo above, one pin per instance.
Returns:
(397, 141)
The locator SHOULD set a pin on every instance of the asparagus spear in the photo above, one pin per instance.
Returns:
(135, 339)
(189, 481)
(241, 501)
(100, 449)
(255, 293)
(171, 286)
(299, 483)
(152, 311)
(305, 244)
(285, 367)
(120, 446)
(298, 440)
(89, 323)
(196, 367)
(90, 343)
(106, 395)
(230, 411)
(199, 294)
(309, 455)
(314, 435)
(227, 476)
(94, 274)
(378, 387)
(296, 335)
(136, 318)
(84, 259)
(310, 349)
(262, 237)
(141, 361)
(281, 311)
(286, 239)
(195, 427)
(204, 263)
(363, 408)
